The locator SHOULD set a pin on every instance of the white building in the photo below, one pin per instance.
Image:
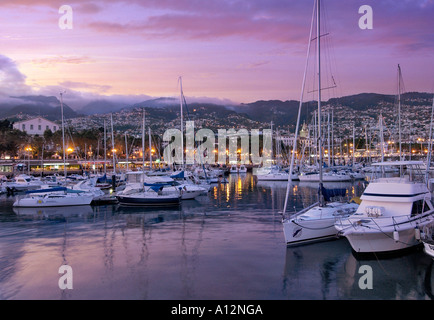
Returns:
(36, 126)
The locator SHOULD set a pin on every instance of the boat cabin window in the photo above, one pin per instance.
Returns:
(419, 206)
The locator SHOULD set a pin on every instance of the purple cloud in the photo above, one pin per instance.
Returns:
(84, 85)
(12, 81)
(51, 61)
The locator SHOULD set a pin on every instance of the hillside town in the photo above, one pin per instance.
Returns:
(342, 126)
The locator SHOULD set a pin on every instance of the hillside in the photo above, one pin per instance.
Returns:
(166, 111)
(32, 106)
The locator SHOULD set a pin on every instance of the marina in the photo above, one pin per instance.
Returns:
(230, 239)
(115, 185)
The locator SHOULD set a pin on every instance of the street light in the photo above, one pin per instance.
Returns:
(28, 149)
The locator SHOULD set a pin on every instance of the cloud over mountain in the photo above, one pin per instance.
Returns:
(12, 81)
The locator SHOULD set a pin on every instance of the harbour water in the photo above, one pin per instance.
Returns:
(227, 245)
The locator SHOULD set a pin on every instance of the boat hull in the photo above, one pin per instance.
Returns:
(316, 223)
(429, 248)
(325, 178)
(276, 177)
(379, 242)
(191, 194)
(298, 233)
(149, 201)
(17, 187)
(373, 236)
(54, 201)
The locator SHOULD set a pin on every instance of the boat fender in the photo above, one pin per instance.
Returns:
(417, 233)
(396, 236)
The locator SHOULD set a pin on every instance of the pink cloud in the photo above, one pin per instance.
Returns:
(404, 24)
(234, 40)
(49, 62)
(84, 85)
(187, 26)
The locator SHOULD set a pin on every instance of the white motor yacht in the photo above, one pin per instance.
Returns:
(23, 182)
(234, 169)
(392, 212)
(54, 197)
(242, 169)
(330, 176)
(274, 174)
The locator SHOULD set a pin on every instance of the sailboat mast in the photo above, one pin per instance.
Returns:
(366, 143)
(328, 138)
(105, 149)
(143, 140)
(399, 111)
(182, 124)
(333, 142)
(315, 136)
(294, 146)
(381, 136)
(428, 159)
(63, 136)
(354, 144)
(318, 42)
(150, 148)
(126, 150)
(113, 146)
(272, 135)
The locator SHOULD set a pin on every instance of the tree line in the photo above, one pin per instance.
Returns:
(83, 144)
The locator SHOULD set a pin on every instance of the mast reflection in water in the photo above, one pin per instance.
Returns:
(227, 244)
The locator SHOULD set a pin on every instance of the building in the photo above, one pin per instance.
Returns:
(304, 132)
(36, 126)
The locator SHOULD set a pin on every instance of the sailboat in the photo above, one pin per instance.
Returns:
(151, 196)
(158, 190)
(233, 169)
(56, 197)
(242, 169)
(331, 176)
(315, 223)
(274, 172)
(148, 190)
(189, 187)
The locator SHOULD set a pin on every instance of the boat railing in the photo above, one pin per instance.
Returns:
(411, 171)
(359, 219)
(289, 215)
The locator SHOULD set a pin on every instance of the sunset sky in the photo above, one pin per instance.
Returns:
(232, 50)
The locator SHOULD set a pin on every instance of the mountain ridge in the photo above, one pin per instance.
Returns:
(266, 111)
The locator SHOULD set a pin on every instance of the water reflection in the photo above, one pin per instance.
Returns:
(230, 240)
(402, 277)
(310, 271)
(329, 270)
(53, 213)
